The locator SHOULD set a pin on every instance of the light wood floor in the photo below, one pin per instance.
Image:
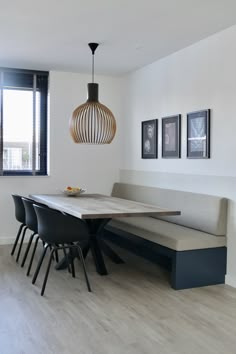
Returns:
(131, 311)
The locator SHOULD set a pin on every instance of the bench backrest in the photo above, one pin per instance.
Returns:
(198, 211)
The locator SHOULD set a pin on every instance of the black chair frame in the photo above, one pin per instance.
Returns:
(55, 248)
(31, 223)
(20, 216)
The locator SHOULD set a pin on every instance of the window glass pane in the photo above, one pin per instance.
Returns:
(23, 122)
(17, 129)
(37, 132)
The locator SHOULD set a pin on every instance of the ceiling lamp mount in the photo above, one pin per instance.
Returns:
(93, 47)
(92, 122)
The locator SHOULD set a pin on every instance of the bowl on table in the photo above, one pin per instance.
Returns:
(73, 191)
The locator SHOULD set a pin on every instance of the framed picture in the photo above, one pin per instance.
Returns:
(149, 139)
(198, 134)
(171, 132)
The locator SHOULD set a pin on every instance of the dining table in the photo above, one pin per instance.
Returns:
(97, 210)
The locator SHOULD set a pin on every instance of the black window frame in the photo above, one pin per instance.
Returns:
(23, 79)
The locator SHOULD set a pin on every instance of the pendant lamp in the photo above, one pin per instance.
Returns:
(92, 122)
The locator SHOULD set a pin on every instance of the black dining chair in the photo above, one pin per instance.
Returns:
(61, 232)
(32, 224)
(20, 216)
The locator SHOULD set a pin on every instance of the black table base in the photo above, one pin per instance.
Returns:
(97, 246)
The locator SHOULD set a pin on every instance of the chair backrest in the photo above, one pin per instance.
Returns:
(30, 215)
(19, 208)
(56, 227)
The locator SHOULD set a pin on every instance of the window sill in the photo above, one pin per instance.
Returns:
(25, 176)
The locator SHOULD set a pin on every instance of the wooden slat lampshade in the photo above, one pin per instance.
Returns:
(92, 122)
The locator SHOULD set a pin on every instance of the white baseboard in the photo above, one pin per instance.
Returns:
(7, 240)
(229, 280)
(11, 240)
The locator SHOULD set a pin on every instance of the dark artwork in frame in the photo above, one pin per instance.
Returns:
(171, 133)
(149, 139)
(198, 134)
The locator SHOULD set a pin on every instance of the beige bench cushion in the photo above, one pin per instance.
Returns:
(167, 234)
(198, 211)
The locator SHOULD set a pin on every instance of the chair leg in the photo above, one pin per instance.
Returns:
(17, 239)
(72, 263)
(27, 249)
(47, 272)
(51, 248)
(84, 268)
(40, 263)
(56, 254)
(21, 243)
(32, 256)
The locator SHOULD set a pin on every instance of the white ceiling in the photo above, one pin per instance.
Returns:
(53, 34)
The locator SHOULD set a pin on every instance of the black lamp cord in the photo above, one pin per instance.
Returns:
(93, 68)
(93, 47)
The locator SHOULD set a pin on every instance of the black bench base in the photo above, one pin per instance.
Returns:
(188, 269)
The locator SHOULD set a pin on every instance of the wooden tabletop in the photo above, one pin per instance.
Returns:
(96, 206)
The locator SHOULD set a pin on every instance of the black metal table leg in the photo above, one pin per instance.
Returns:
(96, 227)
(97, 255)
(63, 263)
(110, 253)
(97, 245)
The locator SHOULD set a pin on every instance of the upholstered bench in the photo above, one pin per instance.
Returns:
(192, 246)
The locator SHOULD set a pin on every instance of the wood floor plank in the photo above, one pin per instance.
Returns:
(133, 310)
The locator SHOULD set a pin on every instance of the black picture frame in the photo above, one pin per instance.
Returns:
(198, 134)
(171, 137)
(149, 139)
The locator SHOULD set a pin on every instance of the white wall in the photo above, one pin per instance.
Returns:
(198, 77)
(92, 167)
(201, 76)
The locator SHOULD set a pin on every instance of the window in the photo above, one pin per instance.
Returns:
(23, 122)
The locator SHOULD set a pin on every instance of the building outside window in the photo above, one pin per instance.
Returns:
(23, 122)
